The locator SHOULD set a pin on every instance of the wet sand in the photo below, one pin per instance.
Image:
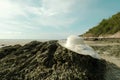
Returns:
(112, 59)
(101, 43)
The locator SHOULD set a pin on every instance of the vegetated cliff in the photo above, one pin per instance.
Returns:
(48, 61)
(106, 28)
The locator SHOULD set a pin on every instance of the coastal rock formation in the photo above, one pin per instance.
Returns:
(48, 61)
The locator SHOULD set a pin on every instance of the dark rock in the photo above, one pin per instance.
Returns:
(4, 51)
(48, 61)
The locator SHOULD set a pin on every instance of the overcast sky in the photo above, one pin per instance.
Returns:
(52, 19)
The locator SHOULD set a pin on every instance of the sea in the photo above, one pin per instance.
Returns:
(7, 42)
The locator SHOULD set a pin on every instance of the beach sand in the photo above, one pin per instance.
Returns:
(113, 66)
(112, 59)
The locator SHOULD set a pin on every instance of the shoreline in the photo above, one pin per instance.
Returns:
(107, 50)
(11, 42)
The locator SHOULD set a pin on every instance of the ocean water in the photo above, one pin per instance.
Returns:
(7, 42)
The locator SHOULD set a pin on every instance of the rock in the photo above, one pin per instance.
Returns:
(8, 50)
(48, 61)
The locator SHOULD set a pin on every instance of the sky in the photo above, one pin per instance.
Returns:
(52, 19)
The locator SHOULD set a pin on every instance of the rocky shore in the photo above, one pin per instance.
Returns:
(48, 61)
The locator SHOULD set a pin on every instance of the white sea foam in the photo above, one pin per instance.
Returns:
(77, 45)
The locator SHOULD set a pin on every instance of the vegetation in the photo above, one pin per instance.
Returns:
(106, 26)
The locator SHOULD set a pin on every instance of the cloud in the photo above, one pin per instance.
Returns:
(9, 10)
(49, 11)
(10, 35)
(55, 7)
(24, 15)
(53, 13)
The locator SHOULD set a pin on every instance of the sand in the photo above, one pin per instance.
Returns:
(111, 59)
(113, 66)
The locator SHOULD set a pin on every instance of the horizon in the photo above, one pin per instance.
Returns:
(52, 19)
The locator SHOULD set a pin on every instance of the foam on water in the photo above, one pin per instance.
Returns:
(77, 45)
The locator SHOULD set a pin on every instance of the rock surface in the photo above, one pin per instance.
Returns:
(48, 61)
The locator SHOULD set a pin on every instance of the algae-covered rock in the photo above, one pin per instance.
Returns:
(48, 61)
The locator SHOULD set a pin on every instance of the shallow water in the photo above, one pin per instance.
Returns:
(7, 42)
